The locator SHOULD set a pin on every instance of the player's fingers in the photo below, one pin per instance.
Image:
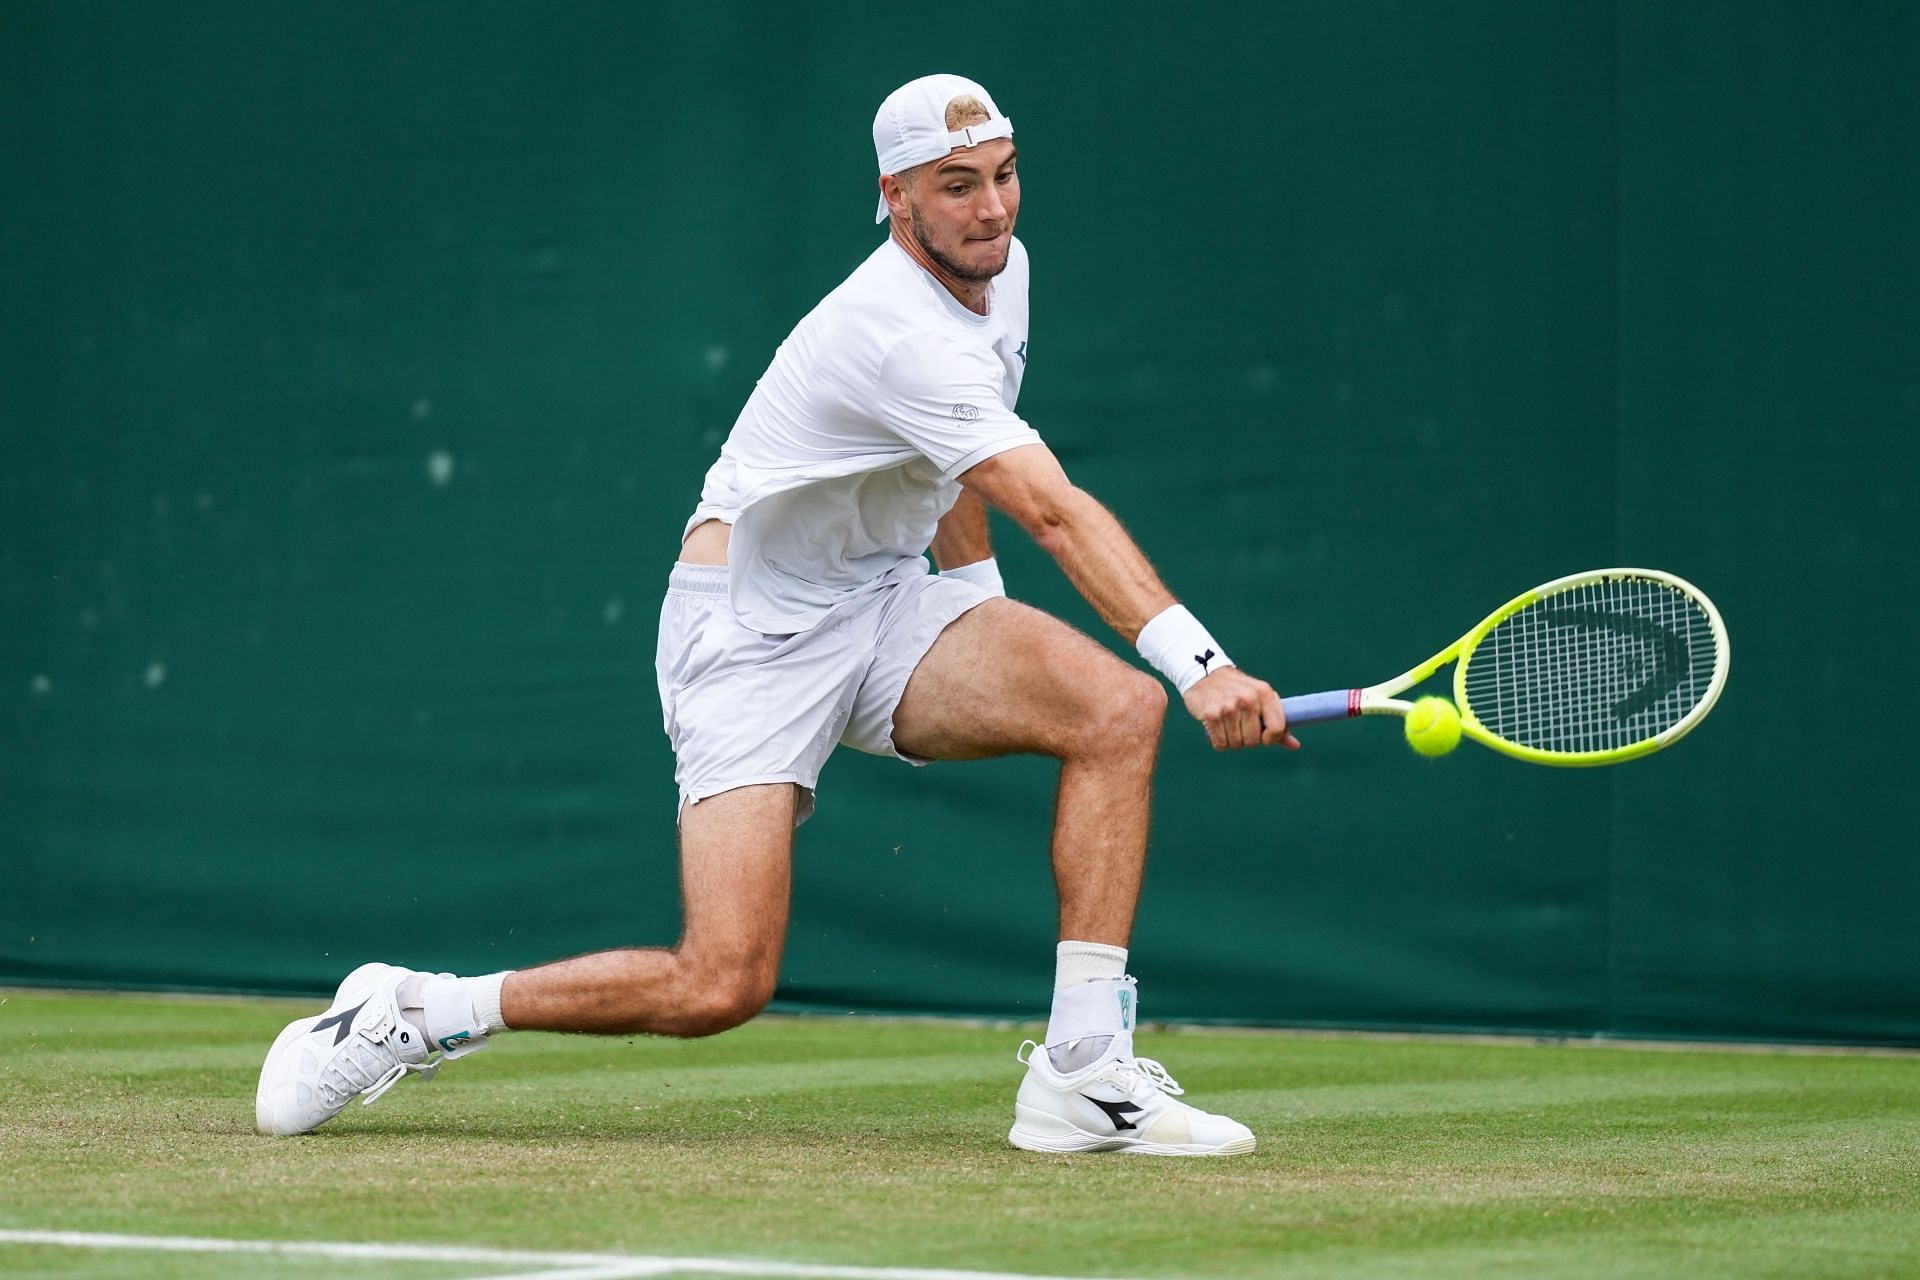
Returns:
(1273, 720)
(1246, 724)
(1216, 735)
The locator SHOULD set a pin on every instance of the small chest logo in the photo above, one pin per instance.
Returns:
(966, 412)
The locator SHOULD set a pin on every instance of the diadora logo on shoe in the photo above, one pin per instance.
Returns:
(1118, 1112)
(343, 1022)
(459, 1037)
(1126, 1010)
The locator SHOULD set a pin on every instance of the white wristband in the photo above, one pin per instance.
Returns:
(984, 574)
(1180, 648)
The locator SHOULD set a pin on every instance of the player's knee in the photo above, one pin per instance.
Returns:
(723, 1002)
(1148, 701)
(1133, 709)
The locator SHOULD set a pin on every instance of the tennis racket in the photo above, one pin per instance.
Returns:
(1593, 668)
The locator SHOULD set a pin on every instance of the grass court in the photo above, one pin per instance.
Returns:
(802, 1146)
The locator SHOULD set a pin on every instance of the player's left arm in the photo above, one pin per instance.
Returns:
(961, 546)
(962, 538)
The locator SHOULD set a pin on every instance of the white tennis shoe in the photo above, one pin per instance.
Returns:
(360, 1046)
(1119, 1103)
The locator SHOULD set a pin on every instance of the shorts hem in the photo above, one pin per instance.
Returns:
(933, 638)
(694, 795)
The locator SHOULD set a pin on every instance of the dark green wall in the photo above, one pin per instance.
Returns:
(361, 362)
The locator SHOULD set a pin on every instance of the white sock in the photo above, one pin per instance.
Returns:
(455, 1014)
(1076, 963)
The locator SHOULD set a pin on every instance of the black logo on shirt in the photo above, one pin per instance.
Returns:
(1021, 351)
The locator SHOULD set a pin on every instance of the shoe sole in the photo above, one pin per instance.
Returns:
(1081, 1141)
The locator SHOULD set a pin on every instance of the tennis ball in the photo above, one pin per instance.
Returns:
(1433, 727)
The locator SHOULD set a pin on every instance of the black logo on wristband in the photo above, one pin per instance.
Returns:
(1203, 659)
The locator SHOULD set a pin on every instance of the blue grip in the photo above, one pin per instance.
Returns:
(1313, 708)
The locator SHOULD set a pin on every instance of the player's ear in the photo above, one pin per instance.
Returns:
(893, 189)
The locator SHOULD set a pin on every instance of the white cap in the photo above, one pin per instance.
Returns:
(911, 126)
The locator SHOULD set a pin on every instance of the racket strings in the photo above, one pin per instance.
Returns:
(1595, 668)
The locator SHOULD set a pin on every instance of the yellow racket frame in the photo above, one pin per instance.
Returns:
(1379, 699)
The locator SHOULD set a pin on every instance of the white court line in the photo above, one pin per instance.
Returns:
(615, 1271)
(553, 1266)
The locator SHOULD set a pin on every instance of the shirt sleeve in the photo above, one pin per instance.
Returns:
(943, 397)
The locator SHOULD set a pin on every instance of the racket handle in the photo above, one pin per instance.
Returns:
(1314, 708)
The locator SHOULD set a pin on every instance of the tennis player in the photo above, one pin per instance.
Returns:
(801, 614)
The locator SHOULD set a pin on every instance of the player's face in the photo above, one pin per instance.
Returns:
(963, 209)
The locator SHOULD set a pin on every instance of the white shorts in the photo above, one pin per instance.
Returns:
(744, 708)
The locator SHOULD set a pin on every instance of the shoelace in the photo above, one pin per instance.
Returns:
(1130, 1075)
(1125, 1074)
(366, 1068)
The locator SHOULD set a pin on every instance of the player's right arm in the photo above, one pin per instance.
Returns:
(1108, 568)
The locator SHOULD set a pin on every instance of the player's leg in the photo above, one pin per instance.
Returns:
(742, 710)
(735, 873)
(386, 1021)
(1006, 679)
(752, 719)
(1002, 679)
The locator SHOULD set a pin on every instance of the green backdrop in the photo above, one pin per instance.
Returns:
(361, 362)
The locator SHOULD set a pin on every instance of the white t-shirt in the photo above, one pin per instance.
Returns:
(846, 455)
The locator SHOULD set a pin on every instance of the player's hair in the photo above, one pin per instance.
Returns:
(961, 112)
(965, 110)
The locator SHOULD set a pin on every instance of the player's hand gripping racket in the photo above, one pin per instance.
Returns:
(1593, 668)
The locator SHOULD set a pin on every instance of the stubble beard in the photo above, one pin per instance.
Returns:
(952, 266)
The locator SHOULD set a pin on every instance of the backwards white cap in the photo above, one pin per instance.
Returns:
(911, 126)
